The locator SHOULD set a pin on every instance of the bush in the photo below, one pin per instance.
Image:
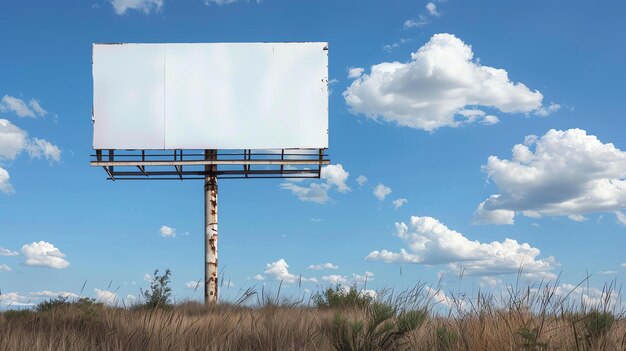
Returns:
(160, 292)
(336, 297)
(446, 340)
(381, 329)
(86, 305)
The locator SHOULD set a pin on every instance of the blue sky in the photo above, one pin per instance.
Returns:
(425, 126)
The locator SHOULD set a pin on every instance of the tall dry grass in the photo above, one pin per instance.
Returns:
(538, 318)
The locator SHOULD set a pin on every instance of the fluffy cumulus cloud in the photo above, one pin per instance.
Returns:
(167, 232)
(562, 173)
(326, 265)
(397, 203)
(381, 191)
(335, 279)
(431, 242)
(146, 6)
(279, 270)
(15, 299)
(333, 177)
(441, 86)
(5, 182)
(106, 297)
(13, 141)
(21, 108)
(7, 252)
(44, 254)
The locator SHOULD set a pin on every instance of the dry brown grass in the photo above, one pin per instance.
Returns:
(518, 323)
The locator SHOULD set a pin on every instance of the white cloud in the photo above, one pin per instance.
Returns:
(397, 203)
(15, 299)
(360, 279)
(7, 252)
(577, 218)
(258, 277)
(314, 192)
(106, 297)
(563, 173)
(440, 86)
(167, 232)
(5, 182)
(546, 111)
(4, 268)
(337, 176)
(335, 279)
(431, 242)
(623, 264)
(146, 6)
(361, 180)
(621, 218)
(46, 294)
(334, 176)
(279, 270)
(482, 216)
(590, 297)
(381, 191)
(432, 9)
(420, 22)
(355, 72)
(326, 265)
(38, 148)
(13, 140)
(44, 254)
(193, 285)
(147, 277)
(33, 109)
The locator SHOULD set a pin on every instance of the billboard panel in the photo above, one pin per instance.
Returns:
(210, 96)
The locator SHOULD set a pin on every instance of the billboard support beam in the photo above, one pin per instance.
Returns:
(210, 230)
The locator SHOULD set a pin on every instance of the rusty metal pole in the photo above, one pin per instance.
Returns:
(210, 230)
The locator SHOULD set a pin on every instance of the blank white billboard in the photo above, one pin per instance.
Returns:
(210, 96)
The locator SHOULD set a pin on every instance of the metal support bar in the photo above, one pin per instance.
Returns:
(209, 162)
(210, 230)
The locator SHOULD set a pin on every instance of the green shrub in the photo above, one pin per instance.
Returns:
(85, 304)
(596, 325)
(382, 328)
(336, 297)
(160, 292)
(530, 340)
(14, 314)
(446, 340)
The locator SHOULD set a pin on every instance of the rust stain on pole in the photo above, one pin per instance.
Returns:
(210, 230)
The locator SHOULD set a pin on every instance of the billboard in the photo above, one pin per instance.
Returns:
(210, 96)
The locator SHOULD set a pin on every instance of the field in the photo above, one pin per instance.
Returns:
(334, 319)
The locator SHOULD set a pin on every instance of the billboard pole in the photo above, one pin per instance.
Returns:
(210, 230)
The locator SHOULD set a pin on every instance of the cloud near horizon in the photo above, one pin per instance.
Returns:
(430, 242)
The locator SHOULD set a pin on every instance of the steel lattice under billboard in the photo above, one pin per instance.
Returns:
(208, 111)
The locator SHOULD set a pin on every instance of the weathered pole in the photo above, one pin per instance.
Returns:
(210, 230)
